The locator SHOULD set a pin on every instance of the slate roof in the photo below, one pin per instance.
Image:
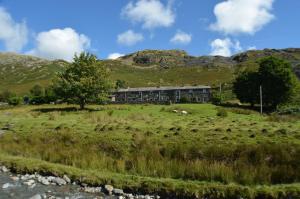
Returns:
(165, 88)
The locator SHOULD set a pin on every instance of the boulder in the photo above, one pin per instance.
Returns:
(59, 181)
(109, 189)
(29, 182)
(44, 181)
(118, 192)
(6, 185)
(92, 189)
(37, 196)
(15, 178)
(67, 179)
(4, 169)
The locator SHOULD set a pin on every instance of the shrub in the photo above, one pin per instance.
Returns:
(241, 111)
(14, 101)
(184, 100)
(222, 112)
(217, 99)
(288, 109)
(110, 113)
(37, 100)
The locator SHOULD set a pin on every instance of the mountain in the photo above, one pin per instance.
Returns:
(144, 68)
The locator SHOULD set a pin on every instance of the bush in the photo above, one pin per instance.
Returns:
(242, 111)
(37, 100)
(217, 99)
(288, 109)
(184, 100)
(14, 101)
(222, 112)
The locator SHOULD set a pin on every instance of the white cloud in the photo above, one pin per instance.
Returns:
(181, 38)
(14, 35)
(242, 16)
(224, 47)
(252, 48)
(151, 13)
(114, 55)
(130, 38)
(60, 44)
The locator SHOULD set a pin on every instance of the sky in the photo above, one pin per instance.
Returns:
(57, 29)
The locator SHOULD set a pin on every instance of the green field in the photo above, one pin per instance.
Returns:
(153, 149)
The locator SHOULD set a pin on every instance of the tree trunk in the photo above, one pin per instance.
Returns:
(82, 104)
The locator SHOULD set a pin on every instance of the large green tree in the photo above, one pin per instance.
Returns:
(37, 90)
(278, 81)
(246, 87)
(84, 80)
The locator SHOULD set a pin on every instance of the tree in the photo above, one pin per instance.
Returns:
(6, 95)
(84, 80)
(277, 79)
(246, 87)
(37, 91)
(120, 84)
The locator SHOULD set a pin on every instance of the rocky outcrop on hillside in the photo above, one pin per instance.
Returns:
(170, 58)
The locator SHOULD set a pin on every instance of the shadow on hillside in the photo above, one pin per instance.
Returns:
(65, 109)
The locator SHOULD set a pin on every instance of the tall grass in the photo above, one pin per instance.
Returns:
(251, 164)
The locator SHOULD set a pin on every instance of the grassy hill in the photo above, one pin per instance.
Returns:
(144, 68)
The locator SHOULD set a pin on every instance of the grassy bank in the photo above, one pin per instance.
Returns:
(153, 148)
(165, 187)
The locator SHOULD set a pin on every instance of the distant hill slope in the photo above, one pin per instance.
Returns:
(144, 68)
(20, 72)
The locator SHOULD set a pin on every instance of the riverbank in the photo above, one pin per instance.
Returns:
(164, 188)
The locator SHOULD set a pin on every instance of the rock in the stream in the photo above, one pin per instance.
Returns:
(4, 169)
(26, 177)
(44, 181)
(109, 189)
(67, 179)
(37, 196)
(15, 178)
(92, 189)
(29, 182)
(118, 192)
(6, 185)
(59, 181)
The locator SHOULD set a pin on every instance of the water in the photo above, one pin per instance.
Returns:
(17, 190)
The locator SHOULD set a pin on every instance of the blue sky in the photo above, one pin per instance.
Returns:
(59, 28)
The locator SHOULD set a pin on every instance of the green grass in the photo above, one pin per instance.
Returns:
(165, 151)
(163, 186)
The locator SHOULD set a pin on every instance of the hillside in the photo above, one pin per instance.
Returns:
(20, 72)
(144, 68)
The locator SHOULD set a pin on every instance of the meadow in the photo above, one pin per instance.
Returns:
(210, 151)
